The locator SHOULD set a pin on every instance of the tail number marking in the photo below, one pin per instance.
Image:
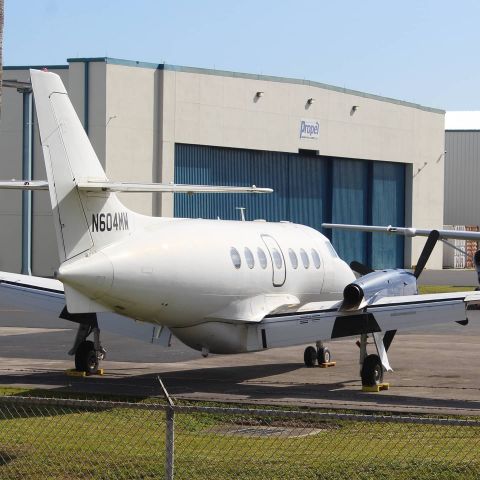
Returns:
(109, 221)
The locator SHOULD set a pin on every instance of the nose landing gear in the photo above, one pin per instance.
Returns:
(86, 357)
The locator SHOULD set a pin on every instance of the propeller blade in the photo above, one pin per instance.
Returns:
(360, 268)
(388, 338)
(426, 252)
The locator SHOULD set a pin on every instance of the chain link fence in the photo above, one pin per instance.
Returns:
(73, 439)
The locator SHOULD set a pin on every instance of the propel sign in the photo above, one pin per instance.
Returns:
(309, 129)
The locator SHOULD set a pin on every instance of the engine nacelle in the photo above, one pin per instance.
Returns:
(375, 285)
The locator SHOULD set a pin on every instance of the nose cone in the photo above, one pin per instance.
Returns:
(92, 275)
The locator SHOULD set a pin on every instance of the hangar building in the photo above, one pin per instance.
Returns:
(462, 168)
(331, 154)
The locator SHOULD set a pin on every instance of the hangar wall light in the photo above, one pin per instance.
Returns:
(355, 108)
(259, 94)
(311, 100)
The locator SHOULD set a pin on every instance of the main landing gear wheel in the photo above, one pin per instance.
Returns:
(372, 371)
(310, 356)
(86, 358)
(324, 355)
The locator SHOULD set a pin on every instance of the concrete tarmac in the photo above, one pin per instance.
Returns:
(436, 371)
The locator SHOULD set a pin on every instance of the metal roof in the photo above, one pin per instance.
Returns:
(225, 73)
(466, 120)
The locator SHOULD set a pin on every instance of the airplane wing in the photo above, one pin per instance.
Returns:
(23, 293)
(386, 314)
(134, 187)
(26, 295)
(31, 294)
(406, 231)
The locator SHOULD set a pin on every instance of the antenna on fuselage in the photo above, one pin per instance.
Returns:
(242, 213)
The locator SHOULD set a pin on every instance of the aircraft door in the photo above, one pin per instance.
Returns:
(278, 260)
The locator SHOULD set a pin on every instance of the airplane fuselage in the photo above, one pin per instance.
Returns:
(181, 272)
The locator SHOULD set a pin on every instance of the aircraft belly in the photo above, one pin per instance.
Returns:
(299, 330)
(238, 337)
(218, 337)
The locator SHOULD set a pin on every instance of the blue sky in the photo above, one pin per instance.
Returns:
(423, 51)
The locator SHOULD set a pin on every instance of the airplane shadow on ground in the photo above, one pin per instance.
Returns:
(250, 384)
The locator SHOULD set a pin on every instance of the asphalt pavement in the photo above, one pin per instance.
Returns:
(435, 371)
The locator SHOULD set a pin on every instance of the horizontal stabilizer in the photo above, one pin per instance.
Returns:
(166, 188)
(134, 187)
(24, 184)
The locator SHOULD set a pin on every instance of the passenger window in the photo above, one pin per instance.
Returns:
(262, 258)
(315, 258)
(237, 261)
(277, 258)
(304, 256)
(249, 258)
(293, 258)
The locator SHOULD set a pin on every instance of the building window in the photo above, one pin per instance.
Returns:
(237, 261)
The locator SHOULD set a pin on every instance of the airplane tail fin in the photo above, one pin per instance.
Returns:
(83, 220)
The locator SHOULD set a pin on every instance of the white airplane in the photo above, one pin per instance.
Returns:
(219, 286)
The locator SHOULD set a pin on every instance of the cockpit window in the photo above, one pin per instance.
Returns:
(332, 250)
(249, 257)
(237, 261)
(304, 257)
(315, 258)
(293, 258)
(262, 258)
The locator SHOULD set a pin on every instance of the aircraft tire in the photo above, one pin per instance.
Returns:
(86, 359)
(372, 371)
(310, 356)
(324, 355)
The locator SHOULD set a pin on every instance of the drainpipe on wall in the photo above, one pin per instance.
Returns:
(27, 173)
(86, 85)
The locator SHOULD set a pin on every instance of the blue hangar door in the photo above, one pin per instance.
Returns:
(307, 190)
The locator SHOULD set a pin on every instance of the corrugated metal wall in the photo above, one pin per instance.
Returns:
(307, 190)
(387, 184)
(350, 205)
(462, 176)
